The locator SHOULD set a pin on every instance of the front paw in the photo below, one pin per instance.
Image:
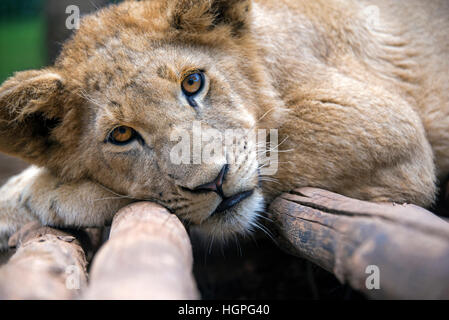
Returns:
(14, 211)
(75, 204)
(37, 195)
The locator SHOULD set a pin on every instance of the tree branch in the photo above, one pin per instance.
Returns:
(408, 245)
(148, 256)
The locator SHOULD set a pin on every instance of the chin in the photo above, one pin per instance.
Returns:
(238, 220)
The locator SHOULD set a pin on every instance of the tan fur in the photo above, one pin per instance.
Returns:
(364, 108)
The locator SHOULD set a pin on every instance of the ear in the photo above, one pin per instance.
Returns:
(202, 15)
(30, 108)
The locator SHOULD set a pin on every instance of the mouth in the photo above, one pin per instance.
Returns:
(228, 203)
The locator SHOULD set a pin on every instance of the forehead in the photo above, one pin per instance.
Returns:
(133, 86)
(131, 66)
(116, 62)
(132, 38)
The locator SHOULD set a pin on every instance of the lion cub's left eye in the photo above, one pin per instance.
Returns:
(192, 84)
(122, 135)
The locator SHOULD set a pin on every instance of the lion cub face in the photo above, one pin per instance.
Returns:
(126, 99)
(152, 130)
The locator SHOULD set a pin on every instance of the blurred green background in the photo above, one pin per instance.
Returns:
(22, 36)
(32, 31)
(31, 35)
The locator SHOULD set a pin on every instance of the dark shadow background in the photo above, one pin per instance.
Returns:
(31, 35)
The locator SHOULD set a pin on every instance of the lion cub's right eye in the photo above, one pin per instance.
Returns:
(122, 135)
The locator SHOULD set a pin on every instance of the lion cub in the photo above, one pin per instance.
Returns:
(357, 95)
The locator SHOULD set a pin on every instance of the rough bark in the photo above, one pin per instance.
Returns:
(47, 264)
(408, 245)
(148, 256)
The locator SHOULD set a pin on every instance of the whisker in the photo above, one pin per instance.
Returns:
(236, 240)
(120, 195)
(260, 215)
(110, 198)
(266, 231)
(273, 181)
(285, 139)
(266, 113)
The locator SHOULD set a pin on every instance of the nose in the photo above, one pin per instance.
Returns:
(217, 187)
(217, 184)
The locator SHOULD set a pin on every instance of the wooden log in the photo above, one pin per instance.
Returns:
(405, 246)
(47, 264)
(148, 256)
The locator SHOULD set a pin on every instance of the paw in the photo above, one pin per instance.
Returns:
(37, 195)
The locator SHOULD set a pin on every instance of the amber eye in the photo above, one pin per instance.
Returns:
(192, 84)
(122, 135)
